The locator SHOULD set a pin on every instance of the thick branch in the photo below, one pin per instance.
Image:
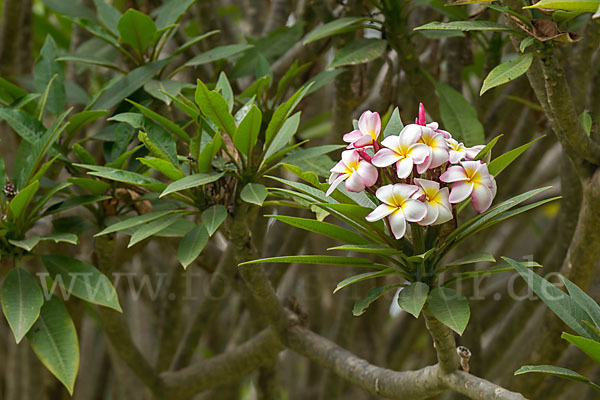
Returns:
(444, 343)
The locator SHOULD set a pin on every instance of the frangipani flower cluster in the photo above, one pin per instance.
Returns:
(418, 175)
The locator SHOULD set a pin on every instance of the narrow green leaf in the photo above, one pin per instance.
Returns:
(79, 120)
(22, 300)
(191, 181)
(163, 166)
(486, 272)
(224, 87)
(556, 371)
(218, 53)
(246, 134)
(459, 116)
(53, 339)
(361, 305)
(569, 5)
(335, 27)
(367, 248)
(213, 217)
(151, 228)
(450, 308)
(165, 122)
(214, 106)
(29, 128)
(170, 12)
(82, 280)
(128, 84)
(394, 125)
(558, 301)
(588, 346)
(101, 62)
(157, 89)
(137, 30)
(412, 298)
(363, 277)
(480, 256)
(20, 202)
(286, 133)
(49, 78)
(465, 26)
(499, 163)
(282, 113)
(29, 243)
(507, 72)
(585, 119)
(583, 300)
(318, 259)
(254, 193)
(108, 16)
(323, 228)
(135, 221)
(488, 148)
(359, 51)
(192, 245)
(525, 43)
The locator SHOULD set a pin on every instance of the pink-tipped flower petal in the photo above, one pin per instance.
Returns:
(398, 223)
(460, 191)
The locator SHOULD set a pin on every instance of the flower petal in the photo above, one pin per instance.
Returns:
(432, 214)
(367, 172)
(382, 211)
(424, 166)
(386, 194)
(414, 210)
(398, 224)
(410, 135)
(444, 215)
(404, 167)
(472, 152)
(419, 152)
(335, 183)
(369, 123)
(352, 136)
(429, 186)
(385, 157)
(339, 168)
(460, 191)
(482, 197)
(439, 156)
(363, 141)
(403, 192)
(350, 157)
(355, 183)
(391, 142)
(455, 173)
(455, 156)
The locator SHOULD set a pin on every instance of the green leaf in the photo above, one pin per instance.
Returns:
(171, 11)
(322, 78)
(108, 16)
(588, 346)
(73, 8)
(335, 27)
(214, 106)
(488, 148)
(394, 125)
(22, 300)
(135, 221)
(218, 53)
(101, 62)
(247, 132)
(481, 256)
(558, 301)
(323, 228)
(137, 30)
(82, 280)
(465, 26)
(74, 202)
(450, 308)
(224, 87)
(361, 305)
(282, 113)
(367, 248)
(151, 228)
(459, 116)
(29, 243)
(165, 122)
(585, 119)
(163, 166)
(254, 193)
(486, 272)
(556, 371)
(49, 75)
(507, 72)
(192, 245)
(569, 5)
(318, 259)
(120, 175)
(192, 181)
(128, 84)
(304, 154)
(359, 51)
(53, 339)
(79, 120)
(157, 89)
(413, 297)
(498, 164)
(285, 134)
(583, 300)
(213, 217)
(525, 43)
(29, 128)
(20, 202)
(363, 277)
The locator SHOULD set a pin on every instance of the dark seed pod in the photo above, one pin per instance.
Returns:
(9, 190)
